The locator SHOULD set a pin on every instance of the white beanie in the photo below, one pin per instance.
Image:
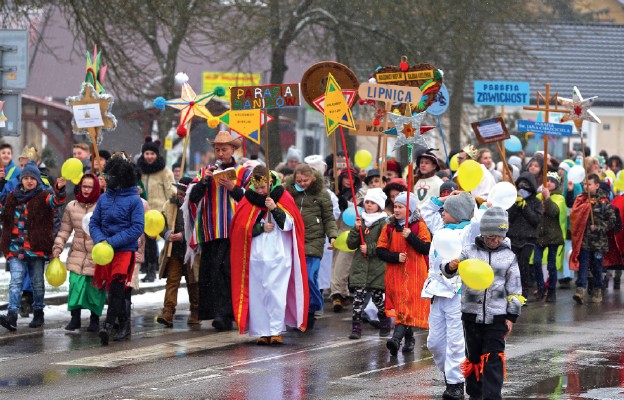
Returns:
(402, 199)
(293, 154)
(377, 196)
(515, 160)
(316, 162)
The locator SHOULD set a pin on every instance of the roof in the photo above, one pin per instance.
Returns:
(589, 56)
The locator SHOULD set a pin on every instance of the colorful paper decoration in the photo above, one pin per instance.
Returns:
(246, 123)
(409, 124)
(88, 95)
(95, 73)
(349, 94)
(579, 109)
(336, 110)
(426, 77)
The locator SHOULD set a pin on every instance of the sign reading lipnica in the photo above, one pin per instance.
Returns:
(390, 93)
(264, 96)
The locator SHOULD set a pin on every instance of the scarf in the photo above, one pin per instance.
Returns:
(152, 168)
(370, 219)
(460, 225)
(24, 197)
(95, 193)
(259, 199)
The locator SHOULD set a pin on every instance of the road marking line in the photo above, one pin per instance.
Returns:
(372, 371)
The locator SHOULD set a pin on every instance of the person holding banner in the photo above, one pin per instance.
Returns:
(213, 203)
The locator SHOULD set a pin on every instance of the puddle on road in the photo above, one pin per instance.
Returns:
(588, 375)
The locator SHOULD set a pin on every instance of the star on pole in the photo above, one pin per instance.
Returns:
(411, 124)
(88, 95)
(578, 109)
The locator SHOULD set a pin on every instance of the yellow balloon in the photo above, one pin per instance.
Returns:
(71, 169)
(469, 175)
(454, 164)
(476, 274)
(363, 158)
(76, 180)
(341, 242)
(102, 253)
(56, 273)
(610, 174)
(154, 223)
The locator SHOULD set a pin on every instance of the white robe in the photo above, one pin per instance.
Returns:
(270, 267)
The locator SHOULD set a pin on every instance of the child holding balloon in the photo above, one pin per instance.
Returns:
(452, 230)
(118, 222)
(491, 303)
(404, 246)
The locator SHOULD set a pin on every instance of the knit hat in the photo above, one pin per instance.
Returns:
(395, 184)
(293, 154)
(31, 170)
(429, 156)
(377, 196)
(150, 145)
(371, 174)
(515, 160)
(105, 154)
(460, 206)
(472, 152)
(402, 199)
(448, 186)
(393, 165)
(183, 183)
(554, 178)
(316, 162)
(494, 222)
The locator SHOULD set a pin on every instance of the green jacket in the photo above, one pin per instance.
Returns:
(552, 225)
(367, 272)
(317, 212)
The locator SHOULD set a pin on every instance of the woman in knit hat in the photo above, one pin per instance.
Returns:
(404, 245)
(393, 169)
(158, 182)
(449, 214)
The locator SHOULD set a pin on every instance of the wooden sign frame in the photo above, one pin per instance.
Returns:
(485, 137)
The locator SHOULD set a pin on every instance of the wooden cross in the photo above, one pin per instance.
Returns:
(546, 108)
(88, 95)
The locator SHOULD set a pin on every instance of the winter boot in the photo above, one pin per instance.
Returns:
(75, 321)
(579, 295)
(454, 391)
(356, 330)
(8, 322)
(125, 323)
(166, 317)
(94, 323)
(394, 342)
(539, 294)
(193, 291)
(384, 324)
(410, 342)
(337, 303)
(616, 283)
(37, 320)
(105, 333)
(596, 297)
(26, 304)
(311, 320)
(551, 296)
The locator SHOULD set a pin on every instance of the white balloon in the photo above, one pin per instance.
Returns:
(503, 195)
(576, 174)
(85, 223)
(447, 244)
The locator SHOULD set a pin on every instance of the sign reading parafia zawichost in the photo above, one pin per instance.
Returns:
(501, 93)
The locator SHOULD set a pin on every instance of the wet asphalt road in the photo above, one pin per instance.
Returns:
(560, 351)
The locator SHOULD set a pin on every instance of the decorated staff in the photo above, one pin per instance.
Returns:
(92, 107)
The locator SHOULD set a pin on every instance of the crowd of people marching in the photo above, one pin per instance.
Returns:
(259, 248)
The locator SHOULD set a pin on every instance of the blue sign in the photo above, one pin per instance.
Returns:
(544, 128)
(500, 93)
(441, 103)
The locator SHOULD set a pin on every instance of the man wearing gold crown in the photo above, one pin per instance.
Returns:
(268, 261)
(210, 209)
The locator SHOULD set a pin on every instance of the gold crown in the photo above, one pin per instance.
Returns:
(30, 153)
(259, 181)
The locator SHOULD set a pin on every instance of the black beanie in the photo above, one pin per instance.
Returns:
(149, 145)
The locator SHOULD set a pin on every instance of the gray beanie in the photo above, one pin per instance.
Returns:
(460, 206)
(494, 222)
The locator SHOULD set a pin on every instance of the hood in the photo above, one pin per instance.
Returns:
(125, 192)
(530, 178)
(315, 188)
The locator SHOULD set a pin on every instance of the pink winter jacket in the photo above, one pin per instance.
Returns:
(79, 260)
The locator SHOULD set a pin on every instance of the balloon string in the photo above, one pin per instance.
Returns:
(357, 214)
(443, 141)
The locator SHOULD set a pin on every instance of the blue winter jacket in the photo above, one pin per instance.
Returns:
(119, 219)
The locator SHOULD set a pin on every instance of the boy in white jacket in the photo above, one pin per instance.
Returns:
(446, 335)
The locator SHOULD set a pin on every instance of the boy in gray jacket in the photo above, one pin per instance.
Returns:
(488, 314)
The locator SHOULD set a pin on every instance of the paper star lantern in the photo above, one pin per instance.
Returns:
(190, 104)
(413, 122)
(336, 109)
(578, 109)
(89, 96)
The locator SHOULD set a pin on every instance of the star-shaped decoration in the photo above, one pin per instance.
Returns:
(413, 122)
(349, 95)
(88, 95)
(578, 109)
(336, 109)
